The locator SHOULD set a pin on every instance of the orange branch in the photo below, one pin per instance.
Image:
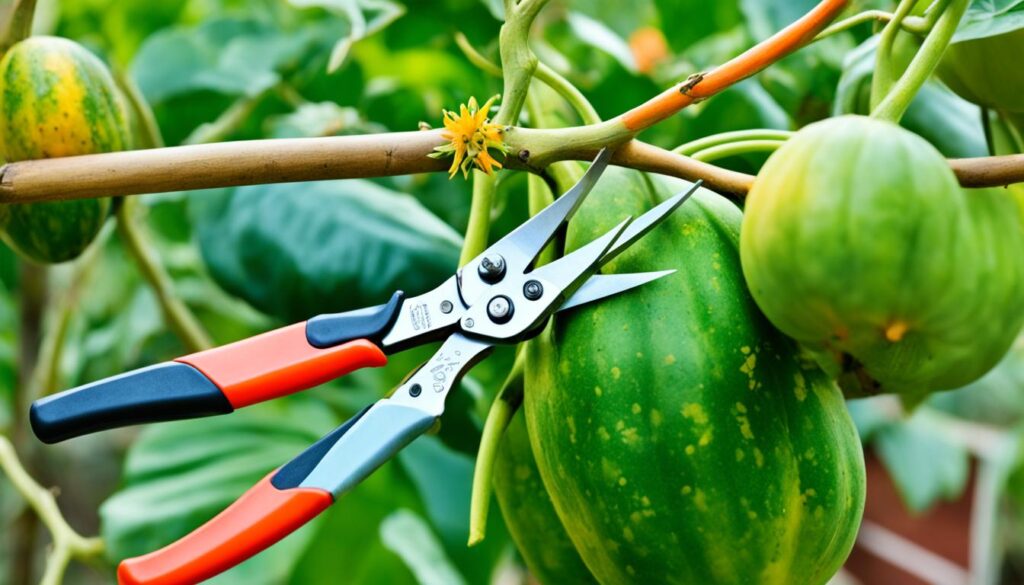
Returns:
(751, 62)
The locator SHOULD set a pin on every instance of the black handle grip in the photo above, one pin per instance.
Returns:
(337, 328)
(168, 391)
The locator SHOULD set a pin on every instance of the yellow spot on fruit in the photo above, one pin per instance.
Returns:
(620, 425)
(636, 517)
(740, 455)
(616, 373)
(604, 434)
(690, 449)
(622, 481)
(656, 417)
(645, 501)
(741, 408)
(630, 436)
(598, 391)
(627, 533)
(745, 350)
(749, 364)
(801, 387)
(571, 422)
(695, 412)
(687, 490)
(896, 331)
(705, 439)
(636, 408)
(745, 430)
(700, 500)
(758, 457)
(670, 359)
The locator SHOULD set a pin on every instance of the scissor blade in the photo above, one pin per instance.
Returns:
(569, 272)
(602, 286)
(646, 222)
(520, 247)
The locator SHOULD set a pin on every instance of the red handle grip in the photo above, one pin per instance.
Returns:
(261, 517)
(278, 363)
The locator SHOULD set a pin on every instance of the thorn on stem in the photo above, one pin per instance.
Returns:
(691, 82)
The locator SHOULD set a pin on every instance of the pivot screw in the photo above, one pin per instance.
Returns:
(533, 290)
(500, 309)
(415, 390)
(470, 323)
(492, 269)
(446, 307)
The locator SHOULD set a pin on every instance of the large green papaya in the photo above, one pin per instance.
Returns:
(57, 99)
(859, 243)
(679, 435)
(529, 514)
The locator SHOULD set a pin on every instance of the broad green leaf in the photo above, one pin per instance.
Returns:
(444, 479)
(869, 416)
(623, 23)
(599, 36)
(925, 464)
(228, 56)
(767, 17)
(409, 536)
(296, 250)
(179, 475)
(364, 17)
(996, 399)
(951, 124)
(320, 119)
(348, 547)
(989, 18)
(688, 22)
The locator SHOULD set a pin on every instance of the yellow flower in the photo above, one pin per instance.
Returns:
(470, 135)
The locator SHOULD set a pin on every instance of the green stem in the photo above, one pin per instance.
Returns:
(545, 74)
(67, 543)
(176, 314)
(149, 131)
(569, 92)
(500, 415)
(229, 121)
(479, 228)
(736, 148)
(921, 68)
(707, 142)
(518, 62)
(885, 75)
(912, 24)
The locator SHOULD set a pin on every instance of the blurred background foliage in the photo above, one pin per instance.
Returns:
(248, 259)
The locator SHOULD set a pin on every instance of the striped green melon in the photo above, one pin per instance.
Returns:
(531, 519)
(859, 243)
(679, 435)
(57, 99)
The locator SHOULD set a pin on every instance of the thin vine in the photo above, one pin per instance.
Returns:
(68, 544)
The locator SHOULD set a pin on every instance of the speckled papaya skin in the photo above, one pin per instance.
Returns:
(529, 514)
(57, 99)
(859, 243)
(681, 438)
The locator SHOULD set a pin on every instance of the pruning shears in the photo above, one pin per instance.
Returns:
(497, 298)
